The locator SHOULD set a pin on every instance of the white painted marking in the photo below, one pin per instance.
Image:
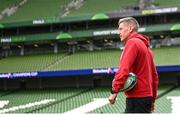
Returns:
(4, 103)
(37, 103)
(175, 101)
(99, 102)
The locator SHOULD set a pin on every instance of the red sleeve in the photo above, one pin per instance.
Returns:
(155, 81)
(127, 59)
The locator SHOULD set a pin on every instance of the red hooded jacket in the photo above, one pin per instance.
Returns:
(137, 57)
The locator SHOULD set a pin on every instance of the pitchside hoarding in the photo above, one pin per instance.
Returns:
(80, 72)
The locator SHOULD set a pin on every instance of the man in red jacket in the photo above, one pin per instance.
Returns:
(137, 57)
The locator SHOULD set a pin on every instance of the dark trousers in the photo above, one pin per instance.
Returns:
(138, 105)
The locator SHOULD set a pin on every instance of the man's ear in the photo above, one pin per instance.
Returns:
(131, 28)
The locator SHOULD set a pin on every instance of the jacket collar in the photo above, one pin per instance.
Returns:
(142, 37)
(131, 35)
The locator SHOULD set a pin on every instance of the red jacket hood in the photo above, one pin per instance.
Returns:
(144, 38)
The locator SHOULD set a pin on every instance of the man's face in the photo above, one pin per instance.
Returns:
(124, 30)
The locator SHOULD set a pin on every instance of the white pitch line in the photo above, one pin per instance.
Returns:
(45, 101)
(175, 104)
(99, 102)
(4, 103)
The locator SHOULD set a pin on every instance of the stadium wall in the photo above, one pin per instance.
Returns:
(76, 81)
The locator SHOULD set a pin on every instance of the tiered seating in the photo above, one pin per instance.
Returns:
(6, 3)
(167, 55)
(28, 63)
(81, 60)
(105, 59)
(164, 104)
(100, 6)
(70, 98)
(84, 60)
(164, 88)
(164, 3)
(2, 93)
(118, 107)
(31, 96)
(45, 9)
(37, 9)
(94, 6)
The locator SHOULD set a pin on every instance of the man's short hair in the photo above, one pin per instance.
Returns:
(130, 20)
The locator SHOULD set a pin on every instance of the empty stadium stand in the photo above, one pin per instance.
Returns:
(29, 63)
(165, 105)
(67, 99)
(167, 3)
(12, 8)
(37, 9)
(94, 7)
(38, 37)
(81, 60)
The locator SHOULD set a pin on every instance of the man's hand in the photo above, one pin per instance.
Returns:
(112, 98)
